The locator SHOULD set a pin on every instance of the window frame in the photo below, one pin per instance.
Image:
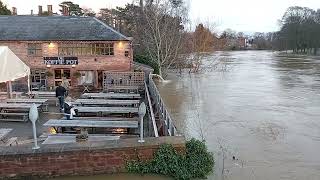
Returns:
(36, 48)
(86, 49)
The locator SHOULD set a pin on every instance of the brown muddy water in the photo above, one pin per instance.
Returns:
(256, 106)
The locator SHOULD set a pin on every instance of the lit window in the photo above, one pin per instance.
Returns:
(86, 49)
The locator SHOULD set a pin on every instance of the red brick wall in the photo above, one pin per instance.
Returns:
(83, 162)
(118, 62)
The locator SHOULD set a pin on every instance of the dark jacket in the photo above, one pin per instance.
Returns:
(67, 108)
(60, 91)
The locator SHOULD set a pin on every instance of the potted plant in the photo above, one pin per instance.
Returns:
(49, 74)
(77, 74)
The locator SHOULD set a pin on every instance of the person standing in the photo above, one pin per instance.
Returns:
(60, 93)
(65, 84)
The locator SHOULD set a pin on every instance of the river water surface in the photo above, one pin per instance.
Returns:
(256, 106)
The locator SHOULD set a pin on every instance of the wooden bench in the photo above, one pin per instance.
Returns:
(111, 96)
(111, 110)
(122, 89)
(71, 138)
(106, 102)
(14, 114)
(91, 124)
(43, 102)
(12, 141)
(103, 119)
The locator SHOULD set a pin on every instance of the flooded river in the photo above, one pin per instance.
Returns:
(256, 106)
(260, 108)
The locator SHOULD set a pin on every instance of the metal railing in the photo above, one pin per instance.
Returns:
(161, 109)
(150, 112)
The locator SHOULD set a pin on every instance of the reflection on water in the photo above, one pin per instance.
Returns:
(262, 109)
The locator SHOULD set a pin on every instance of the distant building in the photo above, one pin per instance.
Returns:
(78, 48)
(227, 43)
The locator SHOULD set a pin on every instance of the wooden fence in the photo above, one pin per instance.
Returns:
(111, 79)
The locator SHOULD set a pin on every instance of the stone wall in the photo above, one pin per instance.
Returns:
(79, 159)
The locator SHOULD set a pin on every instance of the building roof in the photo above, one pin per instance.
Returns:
(58, 28)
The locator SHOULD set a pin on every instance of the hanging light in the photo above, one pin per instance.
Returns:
(51, 45)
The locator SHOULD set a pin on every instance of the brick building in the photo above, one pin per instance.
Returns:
(78, 48)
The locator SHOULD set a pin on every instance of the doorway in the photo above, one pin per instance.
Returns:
(59, 74)
(100, 79)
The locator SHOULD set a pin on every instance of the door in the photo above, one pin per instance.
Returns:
(59, 74)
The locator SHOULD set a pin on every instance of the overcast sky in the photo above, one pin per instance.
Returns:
(239, 15)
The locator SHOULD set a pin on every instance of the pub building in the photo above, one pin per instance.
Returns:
(78, 48)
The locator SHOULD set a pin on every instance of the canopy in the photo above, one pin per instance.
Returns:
(11, 67)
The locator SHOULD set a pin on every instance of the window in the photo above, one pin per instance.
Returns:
(126, 53)
(104, 49)
(86, 49)
(86, 77)
(35, 49)
(38, 79)
(59, 74)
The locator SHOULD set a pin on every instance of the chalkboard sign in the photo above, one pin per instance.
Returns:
(60, 60)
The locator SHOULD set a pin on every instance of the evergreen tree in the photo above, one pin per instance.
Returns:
(3, 9)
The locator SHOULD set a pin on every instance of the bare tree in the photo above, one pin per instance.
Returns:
(163, 30)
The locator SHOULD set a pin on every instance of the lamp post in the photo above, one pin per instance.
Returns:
(142, 113)
(33, 116)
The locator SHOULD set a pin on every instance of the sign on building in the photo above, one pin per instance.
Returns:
(60, 60)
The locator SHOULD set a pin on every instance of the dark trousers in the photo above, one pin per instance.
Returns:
(61, 101)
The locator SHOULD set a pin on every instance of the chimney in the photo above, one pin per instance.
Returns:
(50, 10)
(14, 11)
(31, 13)
(65, 10)
(40, 11)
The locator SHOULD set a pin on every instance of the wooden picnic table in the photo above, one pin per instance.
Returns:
(27, 101)
(91, 124)
(126, 89)
(17, 105)
(4, 133)
(111, 110)
(101, 102)
(43, 102)
(14, 93)
(44, 93)
(103, 119)
(71, 138)
(111, 95)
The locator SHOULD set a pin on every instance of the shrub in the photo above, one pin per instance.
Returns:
(144, 59)
(196, 163)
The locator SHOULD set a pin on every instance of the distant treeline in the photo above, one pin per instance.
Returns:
(299, 32)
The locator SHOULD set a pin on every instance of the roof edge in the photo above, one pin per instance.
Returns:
(104, 24)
